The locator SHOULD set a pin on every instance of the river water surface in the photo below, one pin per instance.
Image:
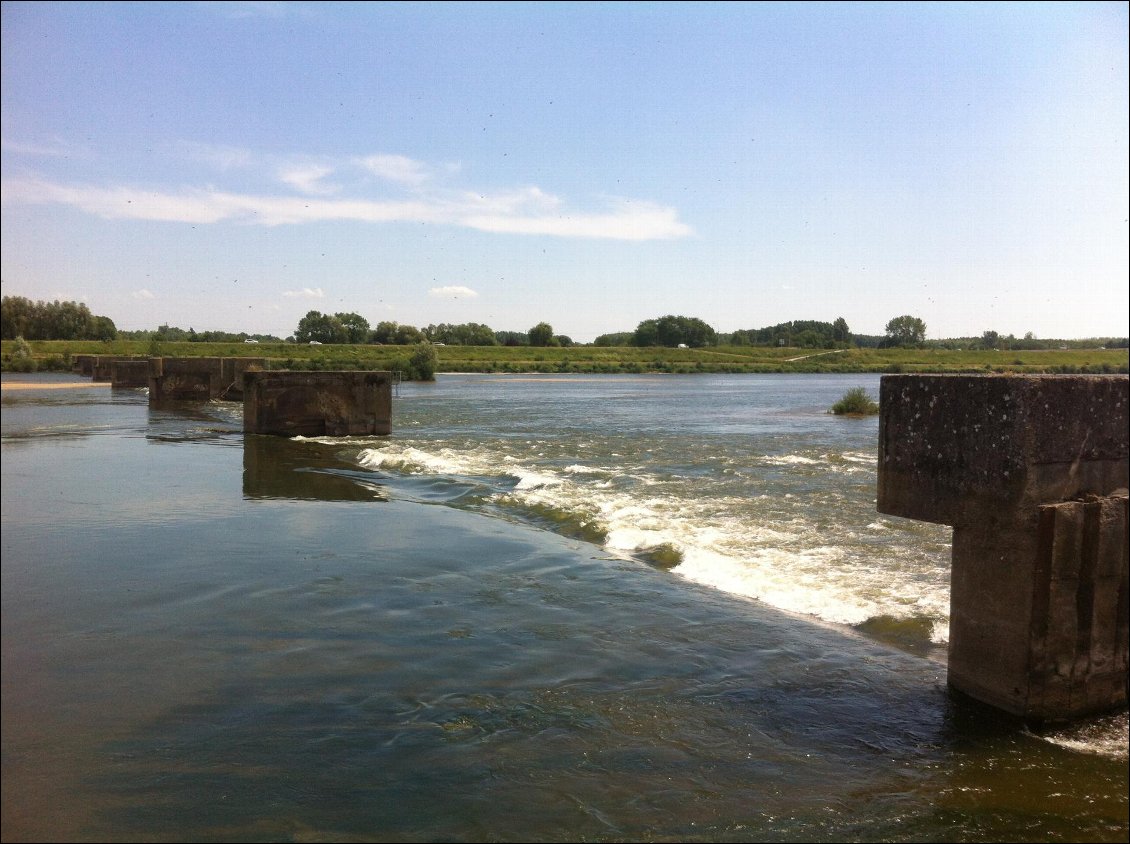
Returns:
(575, 608)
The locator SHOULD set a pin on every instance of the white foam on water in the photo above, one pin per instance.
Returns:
(578, 469)
(791, 460)
(772, 577)
(1104, 736)
(412, 460)
(773, 552)
(535, 480)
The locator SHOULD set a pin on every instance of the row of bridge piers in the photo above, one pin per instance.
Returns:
(1031, 472)
(283, 402)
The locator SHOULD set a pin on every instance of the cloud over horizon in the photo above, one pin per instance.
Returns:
(453, 291)
(524, 210)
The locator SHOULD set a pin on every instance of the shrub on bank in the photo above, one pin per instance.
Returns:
(21, 359)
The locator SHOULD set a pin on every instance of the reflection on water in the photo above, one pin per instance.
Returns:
(277, 467)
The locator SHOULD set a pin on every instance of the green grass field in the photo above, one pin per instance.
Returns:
(57, 354)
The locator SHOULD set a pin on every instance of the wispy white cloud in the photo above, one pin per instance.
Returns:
(396, 168)
(626, 221)
(526, 210)
(454, 291)
(308, 178)
(51, 149)
(306, 293)
(143, 294)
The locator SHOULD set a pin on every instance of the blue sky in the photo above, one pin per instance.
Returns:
(231, 166)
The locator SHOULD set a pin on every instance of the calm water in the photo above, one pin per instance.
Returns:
(616, 608)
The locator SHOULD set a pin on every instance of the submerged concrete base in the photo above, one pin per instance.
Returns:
(1031, 472)
(317, 403)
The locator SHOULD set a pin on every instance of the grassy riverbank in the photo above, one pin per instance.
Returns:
(56, 354)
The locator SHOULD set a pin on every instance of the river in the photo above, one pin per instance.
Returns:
(546, 608)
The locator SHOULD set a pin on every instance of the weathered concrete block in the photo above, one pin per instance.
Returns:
(317, 403)
(231, 375)
(83, 364)
(102, 366)
(953, 443)
(1079, 632)
(129, 373)
(1031, 472)
(199, 379)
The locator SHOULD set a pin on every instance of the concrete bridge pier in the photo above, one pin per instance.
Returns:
(198, 379)
(1032, 473)
(129, 373)
(312, 404)
(83, 365)
(101, 367)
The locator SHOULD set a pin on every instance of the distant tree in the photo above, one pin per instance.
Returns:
(990, 340)
(406, 335)
(840, 331)
(465, 334)
(620, 338)
(20, 317)
(738, 338)
(477, 334)
(647, 333)
(104, 329)
(512, 338)
(563, 340)
(15, 317)
(424, 361)
(673, 330)
(808, 333)
(541, 335)
(385, 332)
(319, 327)
(906, 331)
(395, 334)
(170, 334)
(356, 327)
(808, 339)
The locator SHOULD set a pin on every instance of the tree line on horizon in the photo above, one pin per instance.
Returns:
(22, 318)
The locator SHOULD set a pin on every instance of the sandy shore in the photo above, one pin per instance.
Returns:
(39, 385)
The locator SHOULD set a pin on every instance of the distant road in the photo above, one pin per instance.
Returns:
(816, 355)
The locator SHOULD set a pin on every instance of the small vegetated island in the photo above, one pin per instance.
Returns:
(856, 402)
(46, 336)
